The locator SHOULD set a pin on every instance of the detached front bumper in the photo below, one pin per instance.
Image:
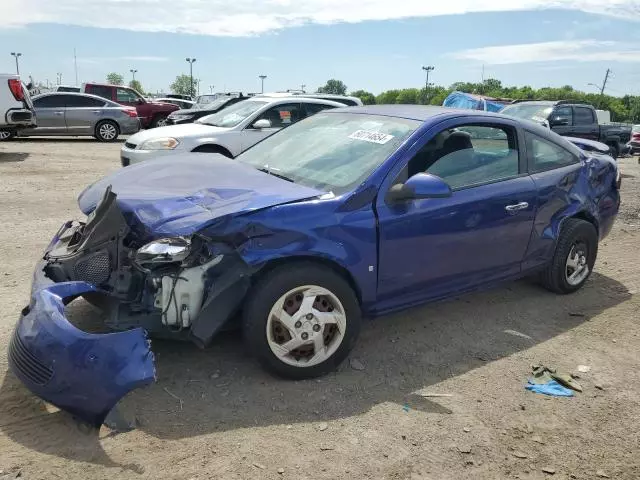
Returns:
(83, 373)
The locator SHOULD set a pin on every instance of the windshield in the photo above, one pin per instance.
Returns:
(538, 111)
(233, 115)
(213, 104)
(333, 152)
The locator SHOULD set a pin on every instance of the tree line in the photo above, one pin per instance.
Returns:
(623, 109)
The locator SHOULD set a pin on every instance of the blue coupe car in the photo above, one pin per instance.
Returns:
(351, 213)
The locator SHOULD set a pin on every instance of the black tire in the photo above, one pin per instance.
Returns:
(158, 120)
(6, 135)
(574, 232)
(213, 149)
(107, 131)
(266, 293)
(614, 151)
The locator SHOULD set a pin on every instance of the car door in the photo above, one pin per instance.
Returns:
(82, 113)
(585, 124)
(279, 117)
(555, 170)
(50, 112)
(431, 248)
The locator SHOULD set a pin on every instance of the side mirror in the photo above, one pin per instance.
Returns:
(421, 185)
(558, 122)
(140, 101)
(263, 123)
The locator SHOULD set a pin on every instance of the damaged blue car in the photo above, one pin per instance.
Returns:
(351, 213)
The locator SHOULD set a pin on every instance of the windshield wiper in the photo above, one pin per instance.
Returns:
(270, 171)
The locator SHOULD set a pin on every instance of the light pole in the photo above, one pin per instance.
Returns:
(59, 78)
(262, 77)
(302, 87)
(191, 61)
(211, 88)
(428, 69)
(133, 74)
(17, 55)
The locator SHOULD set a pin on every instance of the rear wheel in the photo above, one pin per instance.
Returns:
(614, 150)
(301, 321)
(107, 131)
(574, 257)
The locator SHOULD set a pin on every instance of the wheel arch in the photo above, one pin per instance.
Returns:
(213, 148)
(335, 266)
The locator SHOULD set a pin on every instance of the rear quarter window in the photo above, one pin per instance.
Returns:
(545, 155)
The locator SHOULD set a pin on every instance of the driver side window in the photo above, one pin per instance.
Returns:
(469, 155)
(282, 116)
(126, 96)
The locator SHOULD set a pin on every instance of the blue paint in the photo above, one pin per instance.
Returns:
(86, 374)
(395, 255)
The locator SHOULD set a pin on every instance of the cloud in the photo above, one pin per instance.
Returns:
(253, 17)
(569, 50)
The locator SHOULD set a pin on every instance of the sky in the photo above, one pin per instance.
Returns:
(373, 45)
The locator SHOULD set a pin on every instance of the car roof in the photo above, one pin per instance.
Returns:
(295, 99)
(77, 94)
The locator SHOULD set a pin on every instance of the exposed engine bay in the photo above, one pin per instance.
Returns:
(162, 283)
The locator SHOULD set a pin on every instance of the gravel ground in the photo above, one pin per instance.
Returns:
(216, 414)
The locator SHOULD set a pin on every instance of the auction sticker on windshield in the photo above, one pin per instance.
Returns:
(373, 137)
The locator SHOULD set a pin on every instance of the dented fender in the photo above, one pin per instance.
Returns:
(83, 373)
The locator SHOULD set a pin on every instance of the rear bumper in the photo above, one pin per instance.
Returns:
(83, 373)
(130, 127)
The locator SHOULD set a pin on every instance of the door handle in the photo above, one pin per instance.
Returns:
(58, 113)
(516, 207)
(97, 111)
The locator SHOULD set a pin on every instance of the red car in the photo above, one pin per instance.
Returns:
(151, 114)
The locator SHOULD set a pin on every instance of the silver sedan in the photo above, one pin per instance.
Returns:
(79, 114)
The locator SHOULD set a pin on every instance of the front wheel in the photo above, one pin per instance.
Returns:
(159, 121)
(574, 257)
(614, 151)
(301, 321)
(6, 135)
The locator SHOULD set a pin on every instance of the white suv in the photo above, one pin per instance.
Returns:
(229, 132)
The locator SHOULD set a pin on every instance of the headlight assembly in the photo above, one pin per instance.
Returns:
(164, 250)
(164, 143)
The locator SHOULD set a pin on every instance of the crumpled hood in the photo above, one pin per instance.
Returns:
(589, 145)
(181, 194)
(176, 131)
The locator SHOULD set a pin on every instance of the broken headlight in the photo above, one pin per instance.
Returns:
(164, 250)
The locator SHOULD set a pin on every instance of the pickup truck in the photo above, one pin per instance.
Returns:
(571, 119)
(151, 114)
(16, 109)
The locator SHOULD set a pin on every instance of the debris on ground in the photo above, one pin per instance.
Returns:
(548, 381)
(466, 429)
(602, 474)
(520, 455)
(356, 364)
(538, 439)
(584, 368)
(259, 465)
(464, 448)
(281, 471)
(174, 396)
(599, 386)
(435, 395)
(549, 470)
(552, 388)
(322, 427)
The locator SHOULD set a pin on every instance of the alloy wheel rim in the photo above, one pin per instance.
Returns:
(306, 326)
(4, 134)
(576, 267)
(162, 122)
(107, 131)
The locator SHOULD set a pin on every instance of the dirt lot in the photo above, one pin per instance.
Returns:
(235, 421)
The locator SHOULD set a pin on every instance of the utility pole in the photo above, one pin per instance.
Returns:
(302, 87)
(428, 69)
(59, 78)
(133, 74)
(17, 55)
(604, 84)
(262, 77)
(75, 65)
(191, 61)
